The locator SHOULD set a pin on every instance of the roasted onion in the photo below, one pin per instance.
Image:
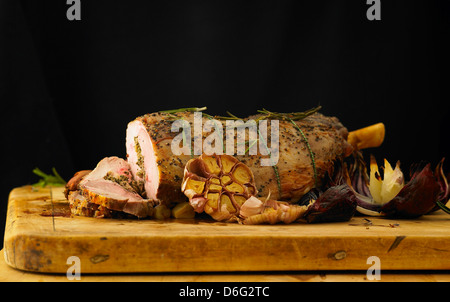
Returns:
(337, 203)
(418, 196)
(425, 192)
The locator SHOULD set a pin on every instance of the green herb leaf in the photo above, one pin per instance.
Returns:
(443, 207)
(189, 109)
(54, 180)
(311, 153)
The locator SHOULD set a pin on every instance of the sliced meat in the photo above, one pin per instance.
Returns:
(76, 202)
(112, 168)
(159, 172)
(72, 184)
(112, 186)
(81, 206)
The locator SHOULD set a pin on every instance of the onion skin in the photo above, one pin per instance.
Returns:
(424, 193)
(417, 197)
(367, 206)
(444, 195)
(338, 203)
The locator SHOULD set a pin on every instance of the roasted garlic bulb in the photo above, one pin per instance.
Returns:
(218, 185)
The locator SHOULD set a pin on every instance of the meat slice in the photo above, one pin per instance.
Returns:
(159, 172)
(72, 184)
(81, 206)
(76, 202)
(111, 185)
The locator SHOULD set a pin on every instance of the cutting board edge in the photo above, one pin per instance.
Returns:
(28, 249)
(28, 253)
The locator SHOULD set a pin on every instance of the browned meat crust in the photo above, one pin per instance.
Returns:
(81, 206)
(294, 172)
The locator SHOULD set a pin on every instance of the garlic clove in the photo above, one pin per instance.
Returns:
(251, 206)
(218, 185)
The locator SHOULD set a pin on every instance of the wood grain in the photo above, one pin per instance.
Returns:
(37, 241)
(9, 274)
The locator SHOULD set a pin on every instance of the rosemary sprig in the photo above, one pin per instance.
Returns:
(220, 117)
(185, 138)
(443, 207)
(311, 153)
(295, 116)
(265, 114)
(189, 109)
(172, 112)
(48, 179)
(277, 175)
(274, 167)
(250, 145)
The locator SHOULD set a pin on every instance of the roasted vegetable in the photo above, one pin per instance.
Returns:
(338, 203)
(225, 189)
(425, 192)
(161, 212)
(384, 189)
(443, 196)
(218, 185)
(418, 196)
(256, 211)
(183, 210)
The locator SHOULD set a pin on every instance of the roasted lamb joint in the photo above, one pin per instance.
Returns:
(218, 185)
(160, 172)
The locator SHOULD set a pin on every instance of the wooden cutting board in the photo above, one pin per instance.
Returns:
(41, 235)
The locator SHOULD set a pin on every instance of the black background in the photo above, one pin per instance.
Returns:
(69, 88)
